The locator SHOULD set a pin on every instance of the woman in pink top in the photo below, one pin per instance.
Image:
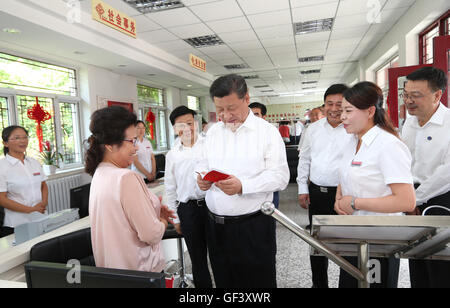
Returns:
(127, 220)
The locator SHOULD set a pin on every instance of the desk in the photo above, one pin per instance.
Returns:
(13, 258)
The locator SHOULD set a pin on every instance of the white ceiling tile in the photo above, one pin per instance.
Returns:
(356, 32)
(175, 17)
(314, 12)
(158, 36)
(217, 10)
(308, 52)
(144, 24)
(353, 7)
(220, 49)
(236, 37)
(276, 18)
(259, 52)
(281, 41)
(343, 22)
(249, 45)
(320, 45)
(190, 31)
(280, 50)
(275, 31)
(298, 3)
(349, 43)
(229, 25)
(257, 6)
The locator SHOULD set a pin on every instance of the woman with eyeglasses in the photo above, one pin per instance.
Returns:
(144, 162)
(23, 191)
(127, 220)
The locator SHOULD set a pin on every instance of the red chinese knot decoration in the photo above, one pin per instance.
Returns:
(39, 115)
(151, 120)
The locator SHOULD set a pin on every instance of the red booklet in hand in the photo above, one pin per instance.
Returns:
(215, 176)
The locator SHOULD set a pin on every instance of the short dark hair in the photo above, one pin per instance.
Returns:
(437, 79)
(335, 89)
(6, 133)
(180, 111)
(140, 122)
(108, 126)
(225, 85)
(262, 107)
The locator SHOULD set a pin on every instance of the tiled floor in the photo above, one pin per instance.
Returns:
(293, 265)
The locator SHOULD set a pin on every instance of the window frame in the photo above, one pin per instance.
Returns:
(11, 95)
(442, 23)
(155, 109)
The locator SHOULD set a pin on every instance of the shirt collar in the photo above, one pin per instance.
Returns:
(370, 135)
(179, 145)
(438, 116)
(13, 160)
(250, 121)
(326, 124)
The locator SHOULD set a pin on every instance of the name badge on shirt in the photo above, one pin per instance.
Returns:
(36, 174)
(356, 163)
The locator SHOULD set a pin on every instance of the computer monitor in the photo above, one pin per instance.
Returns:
(54, 275)
(79, 198)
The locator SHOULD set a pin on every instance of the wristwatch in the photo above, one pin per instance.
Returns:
(352, 204)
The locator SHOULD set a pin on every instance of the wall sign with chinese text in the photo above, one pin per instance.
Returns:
(197, 62)
(113, 18)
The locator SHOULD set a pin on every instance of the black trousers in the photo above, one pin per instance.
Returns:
(242, 253)
(193, 225)
(431, 273)
(388, 274)
(321, 203)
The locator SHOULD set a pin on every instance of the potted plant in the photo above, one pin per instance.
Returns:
(50, 159)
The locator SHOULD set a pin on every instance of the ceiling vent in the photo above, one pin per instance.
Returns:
(204, 41)
(236, 66)
(309, 72)
(266, 91)
(309, 82)
(263, 86)
(152, 6)
(250, 76)
(311, 59)
(313, 26)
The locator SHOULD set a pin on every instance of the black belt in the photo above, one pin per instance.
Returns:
(232, 219)
(324, 189)
(199, 202)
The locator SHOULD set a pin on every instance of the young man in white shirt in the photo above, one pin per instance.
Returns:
(182, 194)
(250, 150)
(426, 133)
(319, 159)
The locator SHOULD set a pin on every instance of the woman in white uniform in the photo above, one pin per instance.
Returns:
(23, 191)
(144, 163)
(375, 173)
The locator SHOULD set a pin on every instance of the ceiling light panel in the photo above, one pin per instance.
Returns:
(236, 66)
(204, 41)
(313, 26)
(311, 59)
(151, 6)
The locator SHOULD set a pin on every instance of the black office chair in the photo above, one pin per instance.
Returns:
(160, 165)
(76, 245)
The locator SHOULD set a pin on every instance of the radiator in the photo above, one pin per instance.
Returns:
(59, 192)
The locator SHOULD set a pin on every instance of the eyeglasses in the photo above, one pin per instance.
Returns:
(132, 141)
(17, 138)
(413, 97)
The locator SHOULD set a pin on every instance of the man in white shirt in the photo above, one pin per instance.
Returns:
(298, 130)
(318, 167)
(427, 136)
(250, 150)
(182, 193)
